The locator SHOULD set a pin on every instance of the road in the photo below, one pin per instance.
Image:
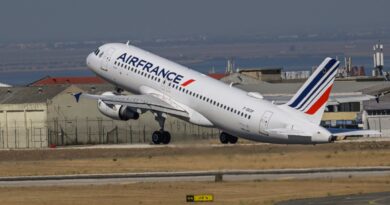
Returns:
(227, 175)
(381, 198)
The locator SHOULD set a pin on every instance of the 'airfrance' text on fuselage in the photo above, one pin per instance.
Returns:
(150, 68)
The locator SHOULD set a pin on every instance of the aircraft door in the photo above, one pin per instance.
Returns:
(107, 64)
(265, 121)
(166, 90)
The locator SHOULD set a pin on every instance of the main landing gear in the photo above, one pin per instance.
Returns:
(161, 136)
(226, 138)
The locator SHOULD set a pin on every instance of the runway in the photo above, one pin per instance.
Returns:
(226, 175)
(381, 198)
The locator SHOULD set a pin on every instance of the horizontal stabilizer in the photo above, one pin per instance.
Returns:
(346, 132)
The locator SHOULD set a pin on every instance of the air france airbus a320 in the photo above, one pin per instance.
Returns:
(167, 88)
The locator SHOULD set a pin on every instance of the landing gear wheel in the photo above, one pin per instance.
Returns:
(233, 139)
(161, 136)
(166, 137)
(157, 137)
(224, 138)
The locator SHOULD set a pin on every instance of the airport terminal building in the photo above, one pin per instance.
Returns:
(44, 116)
(45, 113)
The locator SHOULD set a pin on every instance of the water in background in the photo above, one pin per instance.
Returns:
(287, 63)
(219, 65)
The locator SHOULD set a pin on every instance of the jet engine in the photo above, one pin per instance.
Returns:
(117, 112)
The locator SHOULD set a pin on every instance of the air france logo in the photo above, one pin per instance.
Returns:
(153, 69)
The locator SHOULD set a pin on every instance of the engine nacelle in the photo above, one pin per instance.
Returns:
(117, 112)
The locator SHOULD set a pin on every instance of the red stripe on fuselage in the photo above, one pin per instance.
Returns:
(320, 102)
(187, 82)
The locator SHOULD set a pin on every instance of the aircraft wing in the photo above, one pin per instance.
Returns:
(146, 102)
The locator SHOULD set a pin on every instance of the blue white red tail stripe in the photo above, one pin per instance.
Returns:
(325, 81)
(323, 88)
(315, 92)
(319, 74)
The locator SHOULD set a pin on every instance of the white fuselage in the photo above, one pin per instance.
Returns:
(209, 102)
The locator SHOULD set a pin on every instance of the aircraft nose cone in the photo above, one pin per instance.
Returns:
(92, 62)
(89, 60)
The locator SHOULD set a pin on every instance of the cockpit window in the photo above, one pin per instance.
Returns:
(97, 51)
(101, 54)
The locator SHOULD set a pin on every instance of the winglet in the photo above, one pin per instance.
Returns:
(77, 96)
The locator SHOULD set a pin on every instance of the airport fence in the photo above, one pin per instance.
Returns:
(41, 134)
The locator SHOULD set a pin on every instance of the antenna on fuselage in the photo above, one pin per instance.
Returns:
(128, 43)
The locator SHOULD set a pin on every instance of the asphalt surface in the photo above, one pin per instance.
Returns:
(229, 175)
(382, 198)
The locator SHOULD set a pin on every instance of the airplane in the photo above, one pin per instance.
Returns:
(164, 88)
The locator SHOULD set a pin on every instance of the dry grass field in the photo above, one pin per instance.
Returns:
(182, 158)
(173, 193)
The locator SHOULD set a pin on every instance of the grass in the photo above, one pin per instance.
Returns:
(52, 162)
(245, 193)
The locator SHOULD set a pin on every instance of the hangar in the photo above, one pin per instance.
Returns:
(45, 114)
(42, 116)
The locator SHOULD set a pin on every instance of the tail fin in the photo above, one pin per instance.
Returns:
(311, 98)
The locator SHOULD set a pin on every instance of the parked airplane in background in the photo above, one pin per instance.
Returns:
(167, 88)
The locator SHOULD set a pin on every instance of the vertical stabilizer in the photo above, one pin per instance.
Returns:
(311, 98)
